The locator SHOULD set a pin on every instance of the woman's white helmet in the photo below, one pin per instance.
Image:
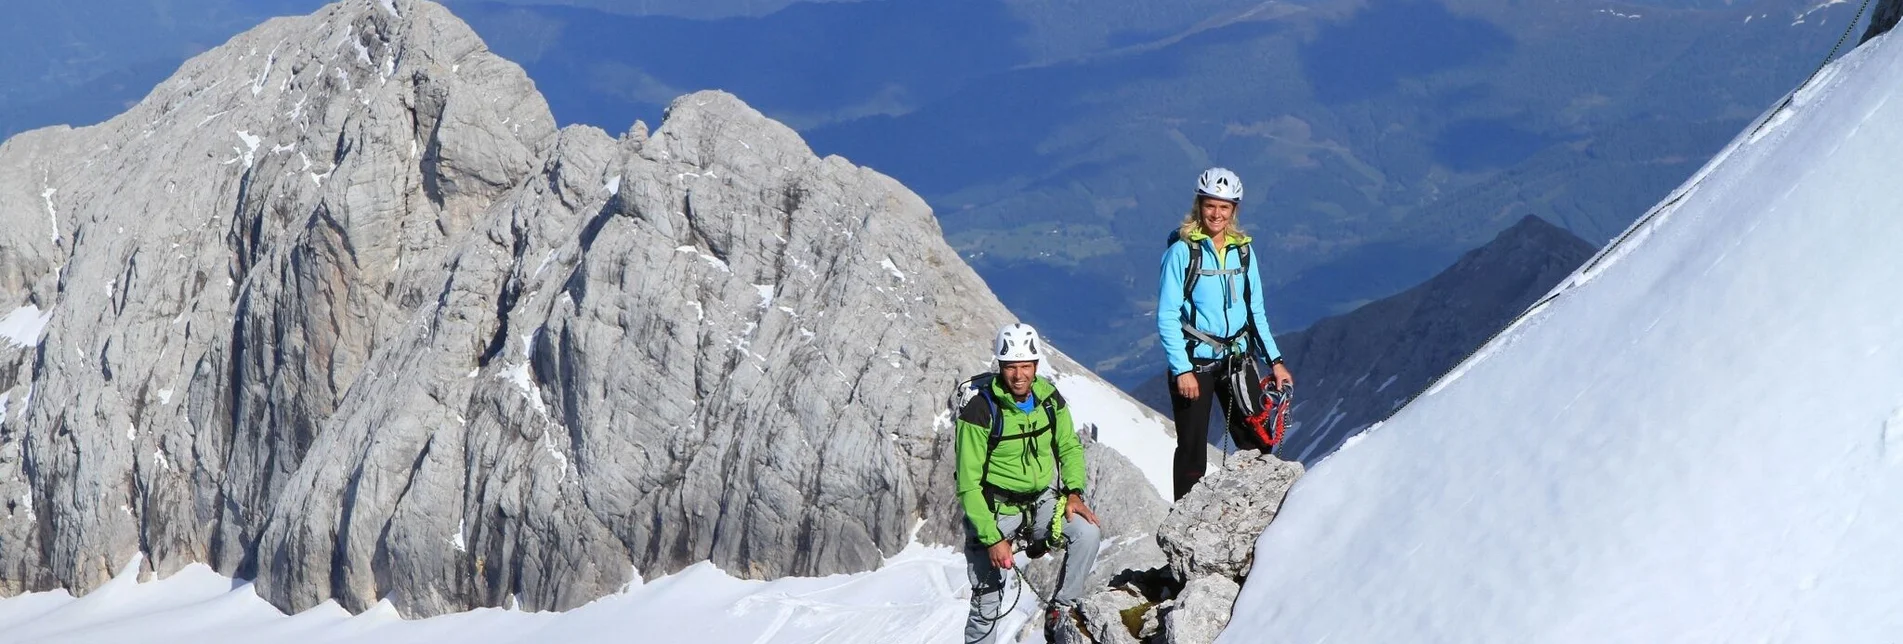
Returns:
(1221, 184)
(1017, 343)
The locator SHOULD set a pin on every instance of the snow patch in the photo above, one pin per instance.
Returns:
(613, 187)
(460, 544)
(892, 268)
(710, 259)
(766, 294)
(548, 447)
(249, 153)
(52, 216)
(519, 374)
(23, 326)
(257, 84)
(1125, 425)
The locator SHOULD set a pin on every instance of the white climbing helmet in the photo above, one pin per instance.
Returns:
(1221, 184)
(1018, 343)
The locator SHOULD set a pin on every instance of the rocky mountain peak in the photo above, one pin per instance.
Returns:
(339, 309)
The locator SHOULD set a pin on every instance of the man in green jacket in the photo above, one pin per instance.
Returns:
(1021, 468)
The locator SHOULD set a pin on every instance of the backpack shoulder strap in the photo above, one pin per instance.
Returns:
(1248, 297)
(1193, 271)
(1051, 403)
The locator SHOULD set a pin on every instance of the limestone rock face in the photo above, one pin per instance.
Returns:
(338, 308)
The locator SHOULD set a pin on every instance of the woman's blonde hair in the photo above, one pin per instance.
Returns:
(1193, 222)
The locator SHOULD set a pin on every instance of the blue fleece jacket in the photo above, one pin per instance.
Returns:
(1220, 311)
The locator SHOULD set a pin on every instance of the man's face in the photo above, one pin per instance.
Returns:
(1018, 376)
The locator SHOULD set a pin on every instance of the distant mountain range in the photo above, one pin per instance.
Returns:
(1379, 140)
(1359, 367)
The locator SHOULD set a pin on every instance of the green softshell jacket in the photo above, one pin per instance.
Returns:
(1018, 465)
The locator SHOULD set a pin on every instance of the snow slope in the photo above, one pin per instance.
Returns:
(915, 598)
(1124, 424)
(1699, 440)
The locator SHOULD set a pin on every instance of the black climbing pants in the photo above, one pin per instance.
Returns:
(1192, 424)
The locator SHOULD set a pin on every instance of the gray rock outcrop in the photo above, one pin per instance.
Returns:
(338, 308)
(1209, 543)
(1199, 614)
(1212, 530)
(1103, 616)
(1208, 549)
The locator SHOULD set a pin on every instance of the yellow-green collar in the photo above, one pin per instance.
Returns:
(1234, 239)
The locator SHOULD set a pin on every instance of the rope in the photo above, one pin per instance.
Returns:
(1021, 535)
(1015, 598)
(1786, 101)
(1017, 572)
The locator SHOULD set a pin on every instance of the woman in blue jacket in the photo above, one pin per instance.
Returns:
(1220, 315)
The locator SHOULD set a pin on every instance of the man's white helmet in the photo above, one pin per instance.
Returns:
(1221, 184)
(1018, 343)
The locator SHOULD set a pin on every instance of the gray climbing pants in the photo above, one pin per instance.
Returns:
(987, 582)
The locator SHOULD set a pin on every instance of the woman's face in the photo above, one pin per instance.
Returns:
(1216, 215)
